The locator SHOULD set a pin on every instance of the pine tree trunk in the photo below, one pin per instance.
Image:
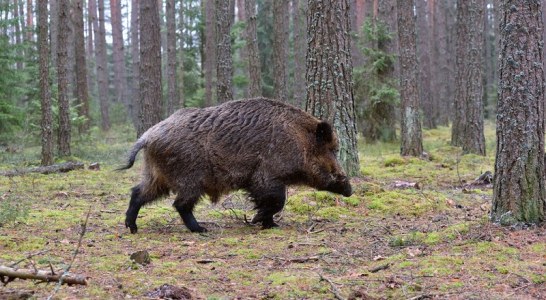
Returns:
(280, 48)
(467, 128)
(45, 95)
(18, 39)
(519, 194)
(424, 42)
(329, 81)
(102, 71)
(150, 67)
(412, 143)
(210, 51)
(180, 81)
(224, 63)
(54, 31)
(135, 59)
(91, 19)
(120, 76)
(81, 67)
(254, 69)
(300, 37)
(62, 77)
(172, 87)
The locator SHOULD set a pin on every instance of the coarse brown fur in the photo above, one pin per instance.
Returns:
(258, 145)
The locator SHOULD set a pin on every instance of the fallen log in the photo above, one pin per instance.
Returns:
(57, 168)
(8, 274)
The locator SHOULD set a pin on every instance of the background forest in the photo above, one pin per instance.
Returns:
(428, 82)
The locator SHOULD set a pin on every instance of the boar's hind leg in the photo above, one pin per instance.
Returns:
(184, 205)
(268, 203)
(138, 199)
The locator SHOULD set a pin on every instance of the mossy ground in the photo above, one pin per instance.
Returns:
(391, 239)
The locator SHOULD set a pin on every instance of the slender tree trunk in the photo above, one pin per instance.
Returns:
(300, 24)
(424, 51)
(242, 64)
(254, 73)
(45, 96)
(150, 66)
(81, 68)
(210, 51)
(519, 193)
(412, 142)
(180, 81)
(224, 65)
(329, 81)
(102, 71)
(54, 31)
(120, 76)
(172, 88)
(30, 21)
(62, 77)
(280, 48)
(91, 20)
(135, 58)
(18, 39)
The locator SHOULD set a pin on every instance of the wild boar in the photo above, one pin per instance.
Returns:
(257, 145)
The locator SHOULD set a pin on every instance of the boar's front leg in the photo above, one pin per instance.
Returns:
(268, 203)
(184, 205)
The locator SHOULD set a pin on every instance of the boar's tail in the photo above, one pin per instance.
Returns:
(132, 155)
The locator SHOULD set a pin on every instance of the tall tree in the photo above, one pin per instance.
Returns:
(412, 142)
(30, 21)
(91, 21)
(300, 25)
(224, 63)
(150, 107)
(81, 68)
(102, 71)
(18, 38)
(467, 128)
(120, 76)
(45, 95)
(254, 76)
(172, 88)
(424, 41)
(135, 59)
(519, 194)
(210, 51)
(280, 48)
(329, 81)
(63, 31)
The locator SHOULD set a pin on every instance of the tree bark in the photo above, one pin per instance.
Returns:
(91, 20)
(412, 142)
(519, 193)
(300, 36)
(150, 66)
(210, 51)
(135, 59)
(424, 52)
(254, 68)
(62, 77)
(45, 95)
(18, 39)
(81, 67)
(43, 276)
(467, 128)
(172, 87)
(224, 63)
(329, 74)
(120, 76)
(102, 71)
(280, 48)
(53, 30)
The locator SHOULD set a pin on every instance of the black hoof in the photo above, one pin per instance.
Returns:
(267, 224)
(198, 229)
(132, 227)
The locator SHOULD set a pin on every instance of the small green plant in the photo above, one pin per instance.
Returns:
(12, 209)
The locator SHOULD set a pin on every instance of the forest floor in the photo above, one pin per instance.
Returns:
(414, 229)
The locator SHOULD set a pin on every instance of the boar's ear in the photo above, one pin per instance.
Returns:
(324, 133)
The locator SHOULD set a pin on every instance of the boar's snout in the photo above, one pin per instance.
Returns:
(340, 185)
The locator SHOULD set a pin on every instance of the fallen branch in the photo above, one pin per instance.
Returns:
(58, 168)
(334, 289)
(7, 274)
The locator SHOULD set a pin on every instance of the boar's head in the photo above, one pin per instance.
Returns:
(327, 173)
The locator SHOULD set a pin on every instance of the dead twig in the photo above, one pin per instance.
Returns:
(28, 257)
(76, 251)
(333, 289)
(379, 268)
